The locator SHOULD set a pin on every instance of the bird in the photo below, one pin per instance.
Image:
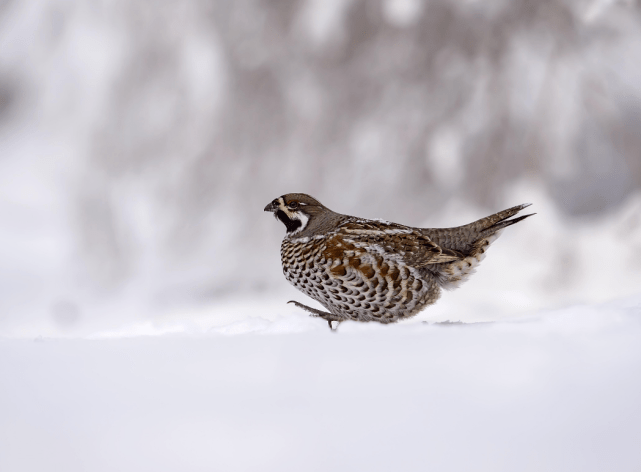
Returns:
(375, 270)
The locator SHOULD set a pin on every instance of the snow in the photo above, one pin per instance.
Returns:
(555, 391)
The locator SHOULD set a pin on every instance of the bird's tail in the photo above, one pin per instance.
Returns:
(494, 223)
(472, 241)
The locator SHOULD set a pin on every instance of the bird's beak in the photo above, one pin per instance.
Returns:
(271, 207)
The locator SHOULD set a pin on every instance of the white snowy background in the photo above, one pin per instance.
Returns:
(143, 315)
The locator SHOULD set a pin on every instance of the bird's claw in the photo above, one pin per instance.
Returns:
(319, 314)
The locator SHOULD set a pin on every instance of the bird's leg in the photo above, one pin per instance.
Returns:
(329, 322)
(318, 313)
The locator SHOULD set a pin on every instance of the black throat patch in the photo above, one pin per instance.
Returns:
(292, 225)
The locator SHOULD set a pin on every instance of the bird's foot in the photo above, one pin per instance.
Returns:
(320, 314)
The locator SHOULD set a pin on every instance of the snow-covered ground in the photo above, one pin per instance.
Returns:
(555, 391)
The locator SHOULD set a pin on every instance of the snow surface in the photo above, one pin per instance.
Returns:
(557, 391)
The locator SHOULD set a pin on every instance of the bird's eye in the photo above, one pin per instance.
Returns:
(293, 205)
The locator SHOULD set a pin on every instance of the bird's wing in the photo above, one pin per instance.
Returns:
(397, 241)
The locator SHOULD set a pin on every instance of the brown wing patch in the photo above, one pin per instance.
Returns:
(367, 270)
(336, 247)
(415, 248)
(348, 254)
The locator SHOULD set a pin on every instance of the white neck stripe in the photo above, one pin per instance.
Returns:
(303, 218)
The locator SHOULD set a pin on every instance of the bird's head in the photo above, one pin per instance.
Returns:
(297, 211)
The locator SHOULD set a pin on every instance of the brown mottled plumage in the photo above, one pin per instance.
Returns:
(374, 270)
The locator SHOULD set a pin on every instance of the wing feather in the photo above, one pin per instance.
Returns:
(397, 241)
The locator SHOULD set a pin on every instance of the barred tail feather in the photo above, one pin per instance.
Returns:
(482, 234)
(452, 275)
